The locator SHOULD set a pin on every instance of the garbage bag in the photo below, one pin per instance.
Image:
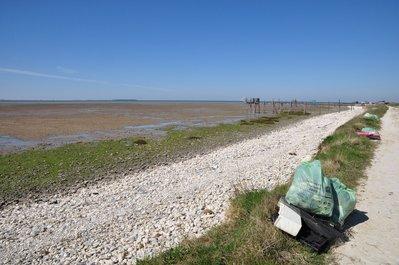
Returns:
(369, 129)
(370, 133)
(310, 190)
(371, 116)
(344, 201)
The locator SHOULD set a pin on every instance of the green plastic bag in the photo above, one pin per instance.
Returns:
(368, 129)
(344, 201)
(371, 116)
(310, 190)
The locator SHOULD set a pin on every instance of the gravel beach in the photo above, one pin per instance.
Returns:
(144, 213)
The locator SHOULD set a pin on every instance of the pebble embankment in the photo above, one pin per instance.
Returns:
(144, 213)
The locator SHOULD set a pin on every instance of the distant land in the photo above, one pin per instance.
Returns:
(159, 100)
(113, 100)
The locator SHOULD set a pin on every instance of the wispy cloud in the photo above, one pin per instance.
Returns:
(31, 73)
(77, 79)
(65, 70)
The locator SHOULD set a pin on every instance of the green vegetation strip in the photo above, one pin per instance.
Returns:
(38, 171)
(249, 236)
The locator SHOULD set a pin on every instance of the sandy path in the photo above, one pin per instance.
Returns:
(376, 241)
(144, 213)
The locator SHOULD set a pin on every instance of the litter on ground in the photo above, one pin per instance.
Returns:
(369, 129)
(371, 116)
(288, 220)
(314, 231)
(370, 133)
(315, 207)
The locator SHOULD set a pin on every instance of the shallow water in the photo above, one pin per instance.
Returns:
(10, 144)
(48, 124)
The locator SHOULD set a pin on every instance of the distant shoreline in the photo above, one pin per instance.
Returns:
(115, 101)
(159, 100)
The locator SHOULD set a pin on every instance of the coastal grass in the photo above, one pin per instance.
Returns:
(249, 236)
(38, 171)
(345, 155)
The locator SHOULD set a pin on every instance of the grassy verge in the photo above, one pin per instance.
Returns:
(249, 236)
(39, 171)
(344, 155)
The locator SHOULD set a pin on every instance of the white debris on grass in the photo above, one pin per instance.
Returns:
(142, 214)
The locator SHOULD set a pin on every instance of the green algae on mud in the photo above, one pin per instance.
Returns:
(39, 171)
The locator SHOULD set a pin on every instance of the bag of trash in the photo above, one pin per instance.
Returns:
(370, 133)
(344, 201)
(371, 116)
(310, 190)
(369, 129)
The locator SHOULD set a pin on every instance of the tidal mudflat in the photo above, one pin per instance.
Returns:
(28, 124)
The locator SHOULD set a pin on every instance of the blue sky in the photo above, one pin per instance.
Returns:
(204, 50)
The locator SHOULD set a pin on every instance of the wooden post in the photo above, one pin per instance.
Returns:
(339, 105)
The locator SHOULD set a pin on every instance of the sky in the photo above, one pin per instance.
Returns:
(199, 50)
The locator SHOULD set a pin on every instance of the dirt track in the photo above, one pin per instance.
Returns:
(376, 237)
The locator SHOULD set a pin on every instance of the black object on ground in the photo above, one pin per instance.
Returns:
(316, 232)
